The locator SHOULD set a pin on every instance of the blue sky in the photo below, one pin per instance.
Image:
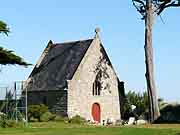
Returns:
(33, 23)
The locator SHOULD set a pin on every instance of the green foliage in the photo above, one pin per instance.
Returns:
(3, 116)
(170, 113)
(161, 103)
(36, 111)
(40, 113)
(47, 116)
(8, 123)
(126, 110)
(60, 128)
(4, 28)
(139, 100)
(7, 56)
(33, 119)
(60, 118)
(77, 120)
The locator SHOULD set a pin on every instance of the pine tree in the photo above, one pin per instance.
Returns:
(8, 57)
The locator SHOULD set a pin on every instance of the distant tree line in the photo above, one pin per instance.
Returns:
(140, 103)
(136, 105)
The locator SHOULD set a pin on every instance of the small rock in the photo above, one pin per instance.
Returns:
(141, 122)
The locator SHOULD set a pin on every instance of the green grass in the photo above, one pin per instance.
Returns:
(57, 128)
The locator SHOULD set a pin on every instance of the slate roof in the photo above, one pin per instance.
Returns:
(58, 65)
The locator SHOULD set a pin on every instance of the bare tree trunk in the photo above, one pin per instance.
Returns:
(154, 110)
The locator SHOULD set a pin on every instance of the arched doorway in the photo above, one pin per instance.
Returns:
(96, 112)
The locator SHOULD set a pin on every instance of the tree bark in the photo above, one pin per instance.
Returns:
(151, 88)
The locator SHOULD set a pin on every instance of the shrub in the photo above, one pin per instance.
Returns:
(8, 123)
(11, 123)
(2, 123)
(66, 119)
(77, 120)
(36, 111)
(59, 118)
(2, 116)
(47, 116)
(32, 119)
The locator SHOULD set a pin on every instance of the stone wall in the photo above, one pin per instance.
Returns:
(80, 97)
(55, 100)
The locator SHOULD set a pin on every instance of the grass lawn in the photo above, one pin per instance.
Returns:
(57, 128)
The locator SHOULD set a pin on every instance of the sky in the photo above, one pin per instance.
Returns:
(33, 23)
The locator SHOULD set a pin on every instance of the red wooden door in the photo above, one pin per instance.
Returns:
(96, 112)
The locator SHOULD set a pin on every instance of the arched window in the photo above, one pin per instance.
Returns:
(97, 85)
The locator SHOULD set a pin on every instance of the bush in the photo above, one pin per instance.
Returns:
(36, 111)
(62, 119)
(47, 116)
(66, 119)
(77, 120)
(33, 119)
(11, 123)
(8, 123)
(59, 118)
(2, 116)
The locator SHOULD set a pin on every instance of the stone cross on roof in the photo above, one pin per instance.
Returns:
(97, 31)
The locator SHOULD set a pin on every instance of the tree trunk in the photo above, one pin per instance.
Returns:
(151, 88)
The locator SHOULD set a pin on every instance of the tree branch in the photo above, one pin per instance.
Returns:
(8, 57)
(163, 7)
(139, 1)
(140, 7)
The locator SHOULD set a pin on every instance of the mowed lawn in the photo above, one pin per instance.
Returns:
(57, 128)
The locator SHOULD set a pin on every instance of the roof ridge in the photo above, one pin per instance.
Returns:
(67, 42)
